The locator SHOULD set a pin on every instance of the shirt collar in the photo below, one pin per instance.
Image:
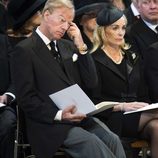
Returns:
(151, 26)
(43, 37)
(134, 10)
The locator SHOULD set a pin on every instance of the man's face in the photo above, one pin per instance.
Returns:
(57, 22)
(148, 10)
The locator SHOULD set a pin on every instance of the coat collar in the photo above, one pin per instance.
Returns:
(131, 57)
(141, 30)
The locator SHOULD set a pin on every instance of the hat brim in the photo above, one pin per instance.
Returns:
(96, 7)
(108, 16)
(28, 13)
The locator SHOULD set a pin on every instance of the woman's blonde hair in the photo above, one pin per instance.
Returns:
(53, 4)
(99, 39)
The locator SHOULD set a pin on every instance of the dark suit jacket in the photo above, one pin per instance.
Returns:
(36, 75)
(130, 16)
(5, 79)
(151, 71)
(141, 36)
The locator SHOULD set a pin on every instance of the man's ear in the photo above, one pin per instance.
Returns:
(46, 15)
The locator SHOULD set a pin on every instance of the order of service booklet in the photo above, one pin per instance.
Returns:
(148, 107)
(74, 95)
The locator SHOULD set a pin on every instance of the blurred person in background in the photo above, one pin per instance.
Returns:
(85, 17)
(144, 32)
(121, 4)
(26, 15)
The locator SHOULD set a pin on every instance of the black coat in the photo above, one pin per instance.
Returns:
(151, 71)
(40, 76)
(131, 18)
(141, 36)
(116, 86)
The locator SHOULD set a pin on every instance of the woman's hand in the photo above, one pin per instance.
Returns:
(132, 106)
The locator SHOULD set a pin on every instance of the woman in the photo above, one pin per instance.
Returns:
(121, 79)
(26, 15)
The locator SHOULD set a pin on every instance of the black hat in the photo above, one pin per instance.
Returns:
(108, 16)
(84, 6)
(22, 10)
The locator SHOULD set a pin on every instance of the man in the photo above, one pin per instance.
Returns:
(40, 69)
(143, 33)
(7, 110)
(151, 71)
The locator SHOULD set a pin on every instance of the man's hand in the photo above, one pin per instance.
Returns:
(75, 35)
(70, 114)
(3, 99)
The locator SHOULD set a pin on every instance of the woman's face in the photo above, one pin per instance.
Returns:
(115, 32)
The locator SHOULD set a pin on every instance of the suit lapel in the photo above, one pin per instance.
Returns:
(44, 54)
(131, 60)
(103, 59)
(67, 62)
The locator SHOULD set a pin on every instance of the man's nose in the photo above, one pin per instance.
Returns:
(65, 25)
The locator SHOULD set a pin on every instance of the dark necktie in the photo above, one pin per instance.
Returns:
(54, 52)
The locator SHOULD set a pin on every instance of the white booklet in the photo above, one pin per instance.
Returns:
(148, 107)
(74, 95)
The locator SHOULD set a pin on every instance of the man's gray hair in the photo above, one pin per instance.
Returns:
(53, 4)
